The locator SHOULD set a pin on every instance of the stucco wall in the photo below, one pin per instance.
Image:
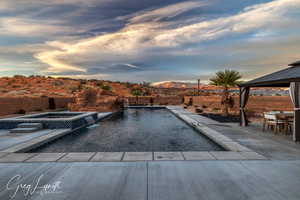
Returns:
(14, 104)
(257, 104)
(156, 100)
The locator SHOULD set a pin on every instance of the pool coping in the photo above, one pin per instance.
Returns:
(234, 150)
(127, 156)
(217, 137)
(32, 118)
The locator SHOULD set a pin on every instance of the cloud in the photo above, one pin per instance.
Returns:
(12, 5)
(266, 15)
(131, 66)
(125, 45)
(23, 27)
(175, 37)
(145, 32)
(164, 12)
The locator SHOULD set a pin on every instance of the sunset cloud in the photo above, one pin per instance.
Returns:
(152, 38)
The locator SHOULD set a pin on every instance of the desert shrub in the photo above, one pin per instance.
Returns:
(128, 85)
(215, 109)
(137, 92)
(106, 87)
(58, 83)
(99, 84)
(19, 76)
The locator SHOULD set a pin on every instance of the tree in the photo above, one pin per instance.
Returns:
(106, 87)
(136, 93)
(226, 79)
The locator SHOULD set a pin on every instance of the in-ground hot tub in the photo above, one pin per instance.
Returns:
(52, 120)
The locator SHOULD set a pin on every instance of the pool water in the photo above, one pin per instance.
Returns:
(134, 130)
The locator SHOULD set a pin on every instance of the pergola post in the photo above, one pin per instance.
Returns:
(295, 96)
(244, 96)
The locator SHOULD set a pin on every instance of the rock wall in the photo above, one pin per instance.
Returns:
(13, 105)
(96, 100)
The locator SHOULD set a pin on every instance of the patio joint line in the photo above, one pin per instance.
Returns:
(183, 155)
(122, 157)
(62, 157)
(92, 156)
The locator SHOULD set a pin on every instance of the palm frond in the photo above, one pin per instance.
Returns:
(227, 78)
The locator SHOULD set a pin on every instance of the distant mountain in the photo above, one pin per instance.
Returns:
(218, 89)
(184, 85)
(174, 84)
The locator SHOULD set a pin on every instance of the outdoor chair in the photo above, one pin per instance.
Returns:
(271, 121)
(289, 121)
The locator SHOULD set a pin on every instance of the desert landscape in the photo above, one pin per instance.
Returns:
(21, 94)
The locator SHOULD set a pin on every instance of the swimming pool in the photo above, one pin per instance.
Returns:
(134, 130)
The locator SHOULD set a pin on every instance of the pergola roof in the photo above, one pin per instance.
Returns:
(281, 78)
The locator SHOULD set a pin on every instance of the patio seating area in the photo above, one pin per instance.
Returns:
(279, 121)
(290, 78)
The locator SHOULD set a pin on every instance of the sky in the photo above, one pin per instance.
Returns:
(147, 40)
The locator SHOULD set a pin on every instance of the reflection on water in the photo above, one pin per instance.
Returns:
(134, 130)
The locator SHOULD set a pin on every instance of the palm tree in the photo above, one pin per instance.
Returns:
(226, 79)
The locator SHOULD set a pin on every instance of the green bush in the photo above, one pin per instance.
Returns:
(106, 87)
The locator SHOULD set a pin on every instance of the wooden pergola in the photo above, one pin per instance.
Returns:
(289, 77)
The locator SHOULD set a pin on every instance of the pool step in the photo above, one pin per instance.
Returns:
(27, 128)
(30, 125)
(24, 130)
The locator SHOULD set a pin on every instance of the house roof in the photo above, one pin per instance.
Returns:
(281, 78)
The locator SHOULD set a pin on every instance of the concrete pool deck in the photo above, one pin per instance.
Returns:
(161, 180)
(190, 175)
